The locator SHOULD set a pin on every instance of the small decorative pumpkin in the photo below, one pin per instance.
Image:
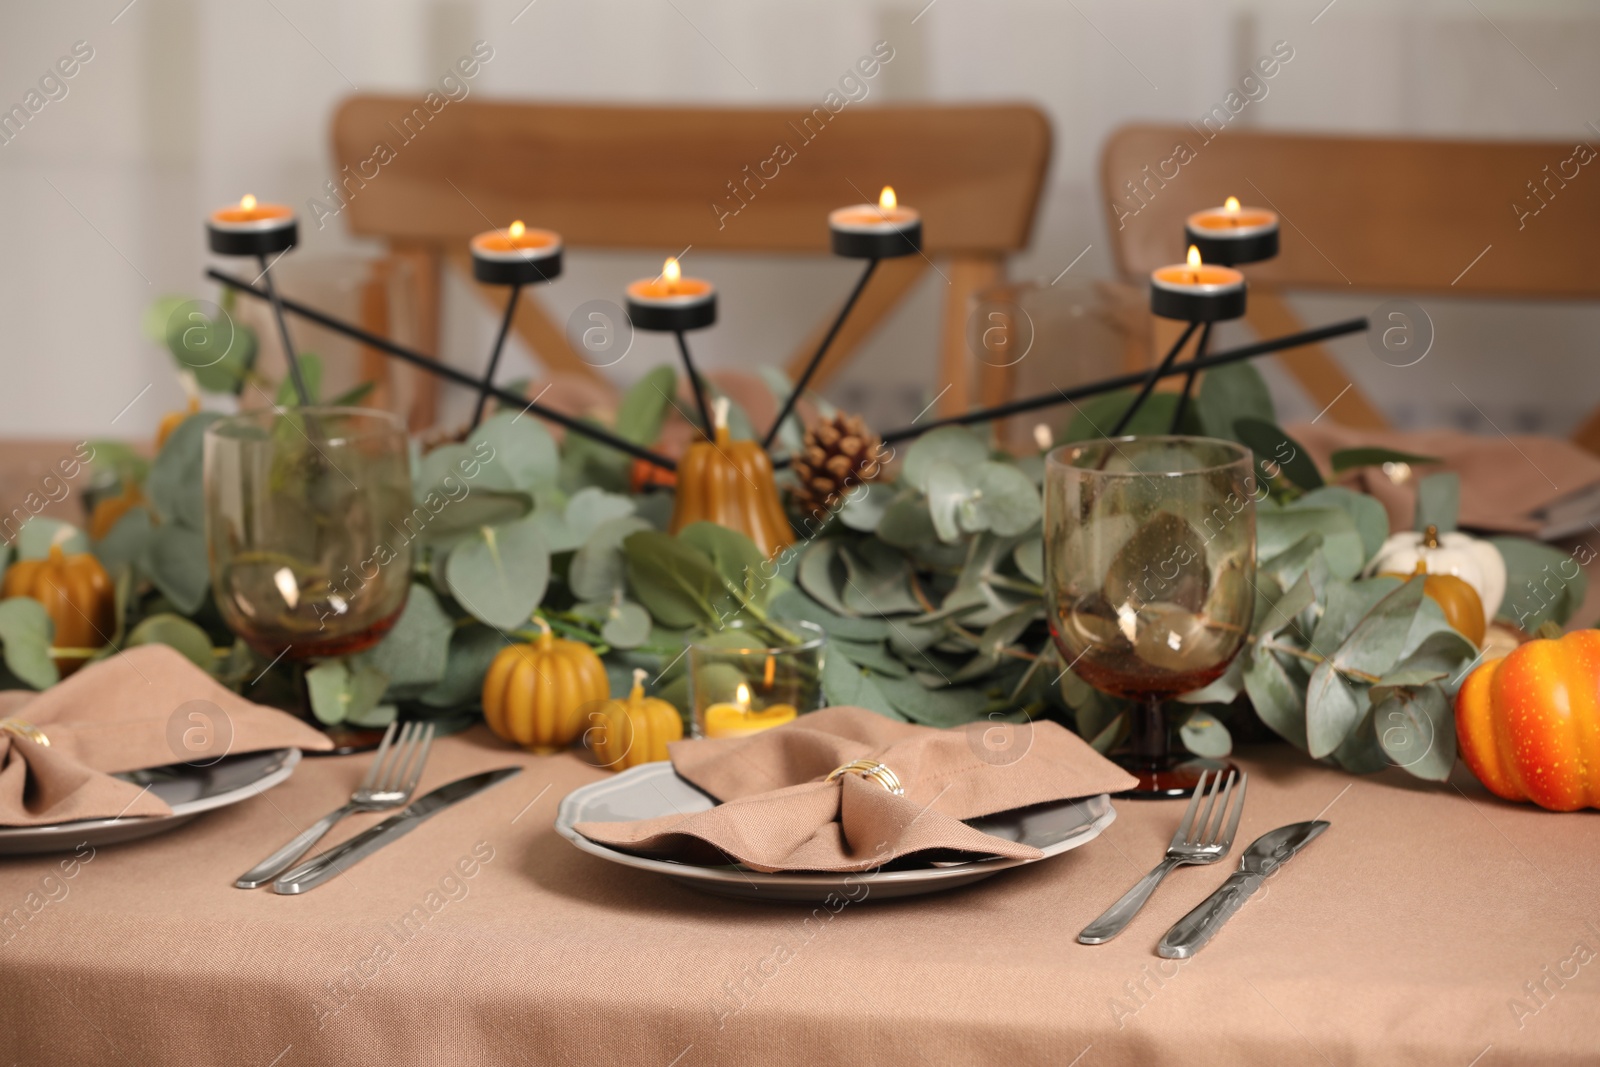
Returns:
(535, 694)
(731, 483)
(629, 732)
(77, 595)
(1529, 724)
(108, 512)
(1478, 563)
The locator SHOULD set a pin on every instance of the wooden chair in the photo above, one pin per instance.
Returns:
(1463, 218)
(664, 178)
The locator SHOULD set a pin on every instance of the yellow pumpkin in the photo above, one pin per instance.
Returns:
(731, 483)
(536, 694)
(76, 593)
(629, 732)
(108, 512)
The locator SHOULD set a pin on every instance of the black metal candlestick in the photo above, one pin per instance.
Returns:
(677, 313)
(822, 350)
(1123, 381)
(494, 355)
(1188, 381)
(262, 230)
(515, 257)
(1151, 377)
(698, 385)
(300, 389)
(451, 374)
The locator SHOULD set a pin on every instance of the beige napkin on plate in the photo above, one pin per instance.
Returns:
(1505, 481)
(146, 707)
(778, 813)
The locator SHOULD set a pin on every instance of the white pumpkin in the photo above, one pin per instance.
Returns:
(1478, 563)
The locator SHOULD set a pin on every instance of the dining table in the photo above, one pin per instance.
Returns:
(1431, 924)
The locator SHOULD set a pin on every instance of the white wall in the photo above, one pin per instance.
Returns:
(187, 103)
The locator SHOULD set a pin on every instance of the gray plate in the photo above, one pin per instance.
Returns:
(654, 789)
(187, 790)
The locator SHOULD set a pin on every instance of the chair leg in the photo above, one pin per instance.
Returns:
(425, 262)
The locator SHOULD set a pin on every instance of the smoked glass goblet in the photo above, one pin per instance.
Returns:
(1150, 579)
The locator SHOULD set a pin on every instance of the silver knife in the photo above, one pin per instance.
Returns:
(337, 859)
(1266, 854)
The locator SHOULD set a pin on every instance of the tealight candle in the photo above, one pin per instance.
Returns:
(251, 228)
(1197, 292)
(671, 302)
(876, 231)
(1232, 234)
(516, 255)
(738, 720)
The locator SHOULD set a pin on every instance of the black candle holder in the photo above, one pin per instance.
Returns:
(677, 314)
(515, 267)
(263, 237)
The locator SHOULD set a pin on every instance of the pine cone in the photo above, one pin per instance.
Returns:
(838, 454)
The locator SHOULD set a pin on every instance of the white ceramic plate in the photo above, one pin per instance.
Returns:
(654, 789)
(187, 790)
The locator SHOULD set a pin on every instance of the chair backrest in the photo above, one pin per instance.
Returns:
(1377, 214)
(728, 179)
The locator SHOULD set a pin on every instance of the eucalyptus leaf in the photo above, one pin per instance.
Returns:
(472, 648)
(1029, 558)
(1439, 501)
(1334, 706)
(174, 559)
(447, 469)
(480, 507)
(940, 708)
(877, 581)
(676, 582)
(1345, 605)
(1278, 528)
(627, 625)
(845, 683)
(1417, 731)
(738, 561)
(523, 449)
(26, 632)
(175, 484)
(956, 446)
(1369, 516)
(906, 522)
(310, 373)
(822, 574)
(1543, 583)
(1007, 502)
(176, 632)
(589, 507)
(795, 604)
(1138, 571)
(598, 570)
(872, 655)
(1205, 735)
(416, 652)
(1230, 393)
(375, 718)
(339, 694)
(1361, 752)
(1272, 444)
(948, 493)
(501, 574)
(643, 408)
(864, 506)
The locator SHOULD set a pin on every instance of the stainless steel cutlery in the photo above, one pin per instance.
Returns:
(1203, 840)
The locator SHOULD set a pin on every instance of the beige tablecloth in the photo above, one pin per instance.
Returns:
(1429, 926)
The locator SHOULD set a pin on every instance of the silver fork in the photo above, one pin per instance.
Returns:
(388, 784)
(1197, 841)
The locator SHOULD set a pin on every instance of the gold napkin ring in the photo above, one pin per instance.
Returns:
(877, 772)
(25, 729)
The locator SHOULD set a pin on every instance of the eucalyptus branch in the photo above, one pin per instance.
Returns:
(1312, 657)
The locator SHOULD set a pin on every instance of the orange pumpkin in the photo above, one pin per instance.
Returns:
(172, 420)
(1460, 603)
(77, 595)
(536, 694)
(731, 483)
(1529, 724)
(629, 732)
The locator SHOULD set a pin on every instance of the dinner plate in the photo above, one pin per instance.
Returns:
(187, 790)
(654, 789)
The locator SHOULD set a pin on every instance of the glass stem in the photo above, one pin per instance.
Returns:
(1149, 740)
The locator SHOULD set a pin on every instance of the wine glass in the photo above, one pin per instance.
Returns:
(309, 527)
(1150, 578)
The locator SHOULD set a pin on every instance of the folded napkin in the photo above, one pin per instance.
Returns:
(779, 814)
(1505, 481)
(146, 707)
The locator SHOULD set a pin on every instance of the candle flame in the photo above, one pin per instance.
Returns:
(517, 229)
(1043, 437)
(887, 201)
(742, 697)
(670, 271)
(247, 202)
(1231, 205)
(1194, 256)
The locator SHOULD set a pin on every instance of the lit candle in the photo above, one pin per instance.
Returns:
(516, 255)
(671, 302)
(739, 720)
(251, 228)
(876, 231)
(1232, 234)
(1197, 292)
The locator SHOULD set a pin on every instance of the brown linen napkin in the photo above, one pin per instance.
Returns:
(146, 707)
(1504, 480)
(778, 813)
